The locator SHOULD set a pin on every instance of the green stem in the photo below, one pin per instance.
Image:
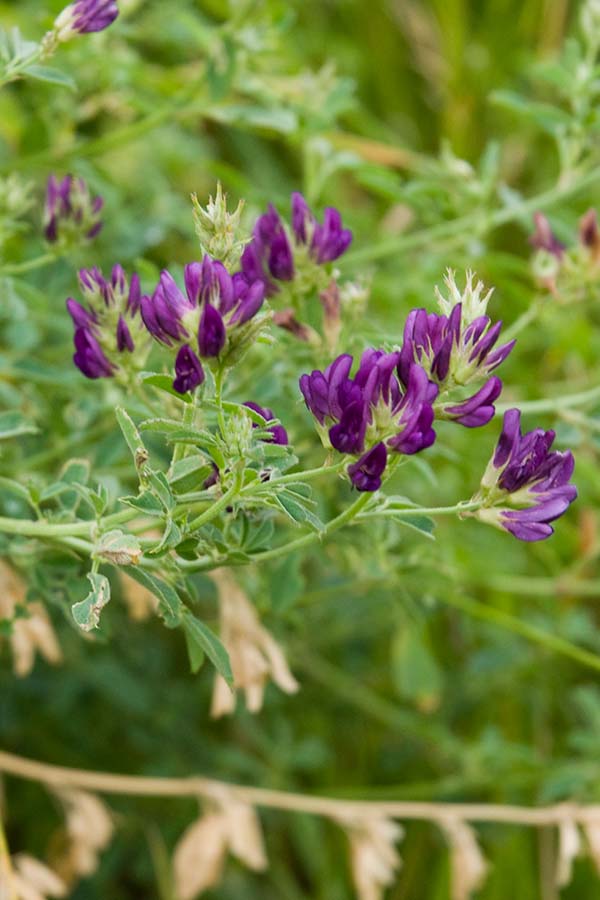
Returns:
(525, 319)
(219, 375)
(28, 265)
(543, 638)
(412, 511)
(333, 525)
(29, 528)
(188, 420)
(215, 508)
(457, 228)
(552, 404)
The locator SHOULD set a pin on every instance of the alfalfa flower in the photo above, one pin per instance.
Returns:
(71, 214)
(85, 16)
(526, 484)
(280, 253)
(372, 412)
(108, 329)
(211, 321)
(457, 349)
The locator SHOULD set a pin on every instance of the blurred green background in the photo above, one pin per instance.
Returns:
(429, 670)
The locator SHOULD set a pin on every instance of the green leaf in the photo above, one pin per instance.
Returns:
(207, 641)
(13, 424)
(423, 524)
(87, 612)
(170, 607)
(543, 114)
(274, 119)
(146, 502)
(195, 651)
(171, 537)
(51, 75)
(161, 488)
(416, 673)
(297, 511)
(133, 438)
(164, 383)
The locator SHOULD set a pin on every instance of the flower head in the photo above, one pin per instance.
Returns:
(108, 329)
(71, 213)
(85, 16)
(543, 238)
(456, 349)
(372, 408)
(214, 305)
(278, 253)
(526, 485)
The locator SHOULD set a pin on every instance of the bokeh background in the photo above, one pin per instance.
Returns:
(433, 670)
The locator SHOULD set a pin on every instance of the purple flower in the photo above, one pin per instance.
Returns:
(189, 373)
(354, 414)
(278, 432)
(70, 213)
(326, 242)
(89, 356)
(271, 254)
(454, 353)
(526, 485)
(589, 234)
(101, 345)
(214, 303)
(543, 238)
(365, 474)
(85, 16)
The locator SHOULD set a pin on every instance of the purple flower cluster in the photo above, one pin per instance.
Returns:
(454, 353)
(270, 255)
(109, 325)
(86, 16)
(374, 411)
(70, 211)
(214, 304)
(526, 485)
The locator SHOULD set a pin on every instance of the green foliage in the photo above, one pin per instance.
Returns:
(438, 659)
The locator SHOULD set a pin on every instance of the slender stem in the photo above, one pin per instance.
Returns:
(457, 228)
(29, 528)
(346, 516)
(543, 638)
(219, 375)
(551, 404)
(215, 508)
(412, 511)
(28, 265)
(525, 319)
(188, 420)
(148, 786)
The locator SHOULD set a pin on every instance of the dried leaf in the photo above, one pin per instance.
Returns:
(591, 830)
(254, 653)
(33, 880)
(468, 864)
(29, 634)
(373, 855)
(244, 835)
(200, 856)
(89, 827)
(569, 847)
